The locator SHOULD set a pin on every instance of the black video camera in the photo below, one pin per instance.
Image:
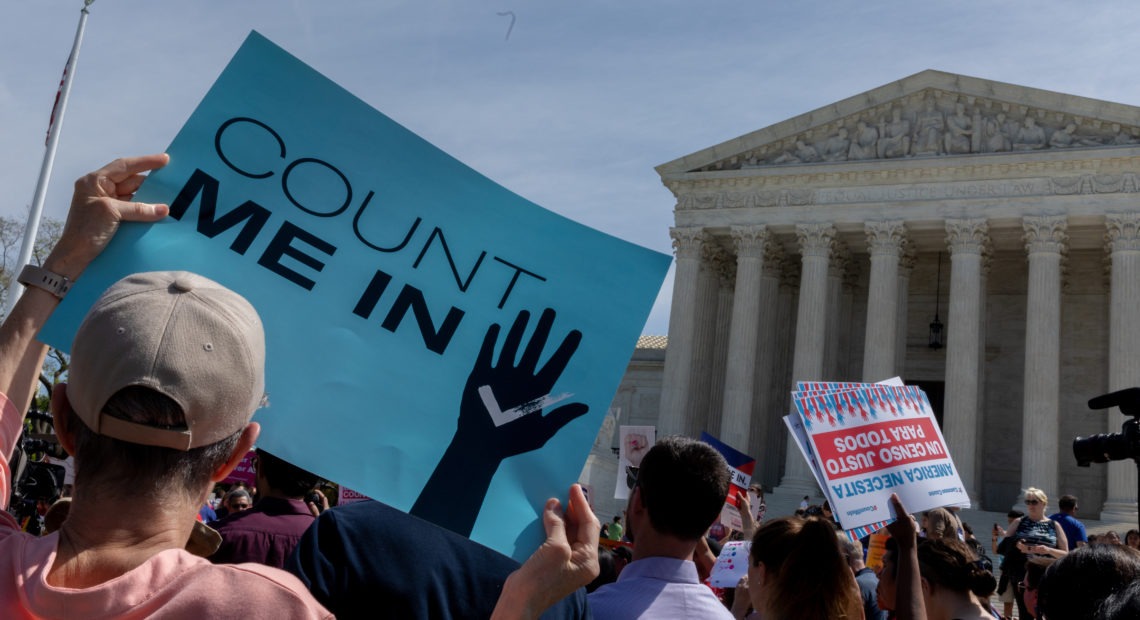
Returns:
(1105, 447)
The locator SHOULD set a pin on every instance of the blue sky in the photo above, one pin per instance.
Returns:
(572, 111)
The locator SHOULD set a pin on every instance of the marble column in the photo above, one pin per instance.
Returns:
(747, 318)
(1045, 239)
(676, 377)
(884, 244)
(816, 243)
(847, 323)
(983, 286)
(836, 271)
(906, 267)
(966, 239)
(767, 352)
(708, 295)
(726, 294)
(1122, 238)
(779, 402)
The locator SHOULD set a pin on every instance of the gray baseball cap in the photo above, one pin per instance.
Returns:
(179, 334)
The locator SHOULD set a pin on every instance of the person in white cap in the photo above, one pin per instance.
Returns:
(166, 372)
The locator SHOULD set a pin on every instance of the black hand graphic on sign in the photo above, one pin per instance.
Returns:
(512, 386)
(512, 394)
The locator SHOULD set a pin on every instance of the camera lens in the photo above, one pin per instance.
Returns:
(1100, 448)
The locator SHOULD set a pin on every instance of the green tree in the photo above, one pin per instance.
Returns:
(11, 234)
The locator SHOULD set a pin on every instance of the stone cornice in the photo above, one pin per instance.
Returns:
(967, 236)
(1045, 233)
(1119, 159)
(845, 186)
(1122, 232)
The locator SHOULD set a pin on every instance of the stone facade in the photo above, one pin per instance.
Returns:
(837, 223)
(636, 404)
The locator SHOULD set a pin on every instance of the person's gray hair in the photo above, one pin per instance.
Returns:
(851, 549)
(238, 492)
(105, 465)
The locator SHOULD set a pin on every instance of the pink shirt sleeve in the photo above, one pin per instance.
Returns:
(11, 423)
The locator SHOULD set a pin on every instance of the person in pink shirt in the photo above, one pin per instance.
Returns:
(166, 372)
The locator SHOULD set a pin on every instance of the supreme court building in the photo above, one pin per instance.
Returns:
(823, 248)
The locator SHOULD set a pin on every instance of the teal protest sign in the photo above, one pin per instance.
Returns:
(434, 340)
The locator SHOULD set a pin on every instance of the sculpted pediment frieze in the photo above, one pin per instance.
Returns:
(930, 114)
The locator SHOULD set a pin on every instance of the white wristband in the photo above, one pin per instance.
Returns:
(41, 278)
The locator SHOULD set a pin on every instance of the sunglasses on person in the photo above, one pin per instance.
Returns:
(1032, 502)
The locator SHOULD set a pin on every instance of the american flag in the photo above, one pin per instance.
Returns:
(58, 96)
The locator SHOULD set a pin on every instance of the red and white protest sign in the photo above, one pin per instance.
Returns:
(740, 467)
(875, 440)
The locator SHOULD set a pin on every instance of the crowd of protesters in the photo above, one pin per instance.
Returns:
(167, 370)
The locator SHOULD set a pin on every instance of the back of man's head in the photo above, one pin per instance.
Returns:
(1067, 503)
(683, 484)
(166, 371)
(284, 477)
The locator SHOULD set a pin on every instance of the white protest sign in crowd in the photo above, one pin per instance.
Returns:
(635, 442)
(865, 441)
(731, 565)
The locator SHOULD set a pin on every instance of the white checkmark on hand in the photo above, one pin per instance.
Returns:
(500, 417)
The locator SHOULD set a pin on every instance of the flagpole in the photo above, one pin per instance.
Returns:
(33, 225)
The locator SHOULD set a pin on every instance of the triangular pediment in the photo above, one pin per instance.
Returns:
(928, 114)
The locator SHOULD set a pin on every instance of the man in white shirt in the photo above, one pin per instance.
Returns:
(680, 490)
